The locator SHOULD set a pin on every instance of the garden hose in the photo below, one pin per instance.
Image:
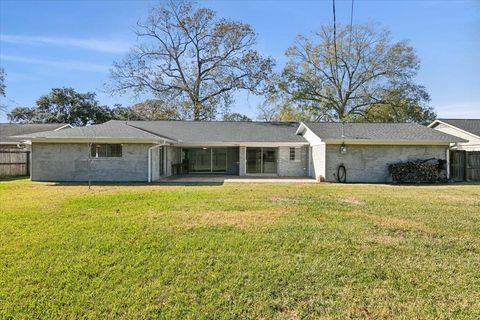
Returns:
(341, 174)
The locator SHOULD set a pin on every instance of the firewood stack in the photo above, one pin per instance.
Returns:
(430, 170)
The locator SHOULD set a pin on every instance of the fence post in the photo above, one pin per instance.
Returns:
(28, 163)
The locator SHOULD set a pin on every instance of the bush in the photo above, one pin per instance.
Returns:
(430, 170)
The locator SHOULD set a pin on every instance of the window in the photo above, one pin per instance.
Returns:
(106, 150)
(294, 154)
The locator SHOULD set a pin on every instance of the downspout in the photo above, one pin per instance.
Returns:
(150, 159)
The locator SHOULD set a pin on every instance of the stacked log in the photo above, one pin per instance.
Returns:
(430, 170)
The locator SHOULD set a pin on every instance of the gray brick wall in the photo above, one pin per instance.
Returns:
(368, 163)
(69, 162)
(289, 168)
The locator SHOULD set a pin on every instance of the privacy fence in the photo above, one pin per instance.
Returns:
(14, 163)
(465, 165)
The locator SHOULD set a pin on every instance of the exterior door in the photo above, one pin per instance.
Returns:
(262, 160)
(269, 160)
(254, 160)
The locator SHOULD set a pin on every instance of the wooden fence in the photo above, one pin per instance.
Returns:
(14, 163)
(465, 165)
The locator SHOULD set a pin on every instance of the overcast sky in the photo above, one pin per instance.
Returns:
(47, 44)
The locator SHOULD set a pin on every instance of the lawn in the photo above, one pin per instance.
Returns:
(282, 251)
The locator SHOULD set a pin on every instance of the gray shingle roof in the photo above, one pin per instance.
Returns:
(185, 131)
(9, 130)
(107, 130)
(469, 125)
(379, 131)
(222, 131)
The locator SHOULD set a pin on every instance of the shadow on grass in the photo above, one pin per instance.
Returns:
(439, 184)
(136, 184)
(15, 178)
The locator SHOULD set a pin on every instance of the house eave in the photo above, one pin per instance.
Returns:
(97, 140)
(437, 122)
(239, 144)
(388, 142)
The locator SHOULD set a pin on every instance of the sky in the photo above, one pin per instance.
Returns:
(48, 44)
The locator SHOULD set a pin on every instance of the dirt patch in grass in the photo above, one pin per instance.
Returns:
(239, 219)
(353, 201)
(460, 199)
(394, 222)
(386, 239)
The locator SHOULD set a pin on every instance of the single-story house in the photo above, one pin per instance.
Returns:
(151, 150)
(467, 129)
(9, 131)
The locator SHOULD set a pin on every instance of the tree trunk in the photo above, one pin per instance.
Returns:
(197, 107)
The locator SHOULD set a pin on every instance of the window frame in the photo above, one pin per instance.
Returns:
(296, 154)
(95, 154)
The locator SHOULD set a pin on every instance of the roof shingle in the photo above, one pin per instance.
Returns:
(469, 125)
(9, 130)
(222, 131)
(378, 131)
(108, 130)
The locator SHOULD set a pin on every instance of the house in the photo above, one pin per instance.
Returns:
(468, 129)
(151, 150)
(8, 131)
(464, 156)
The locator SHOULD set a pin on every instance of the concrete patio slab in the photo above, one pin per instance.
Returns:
(236, 179)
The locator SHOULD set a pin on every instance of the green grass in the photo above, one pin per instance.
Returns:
(281, 251)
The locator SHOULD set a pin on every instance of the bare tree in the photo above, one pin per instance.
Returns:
(188, 56)
(347, 76)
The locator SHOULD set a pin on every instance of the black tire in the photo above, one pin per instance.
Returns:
(341, 174)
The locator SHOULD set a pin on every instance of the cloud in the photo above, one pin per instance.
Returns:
(14, 76)
(66, 64)
(109, 46)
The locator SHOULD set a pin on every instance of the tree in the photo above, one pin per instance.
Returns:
(407, 104)
(267, 112)
(2, 82)
(349, 74)
(193, 59)
(155, 109)
(63, 105)
(235, 117)
(120, 112)
(2, 88)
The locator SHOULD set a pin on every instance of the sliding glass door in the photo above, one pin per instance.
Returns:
(262, 160)
(199, 159)
(219, 160)
(254, 160)
(206, 160)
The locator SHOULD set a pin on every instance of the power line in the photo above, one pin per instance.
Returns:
(334, 32)
(351, 29)
(351, 16)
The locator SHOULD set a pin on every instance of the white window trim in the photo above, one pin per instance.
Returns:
(297, 154)
(107, 158)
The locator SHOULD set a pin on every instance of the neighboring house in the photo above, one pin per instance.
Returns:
(151, 150)
(468, 129)
(8, 131)
(464, 156)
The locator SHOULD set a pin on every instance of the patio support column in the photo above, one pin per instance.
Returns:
(242, 157)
